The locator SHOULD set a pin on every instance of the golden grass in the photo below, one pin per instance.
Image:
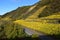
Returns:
(41, 26)
(55, 15)
(37, 12)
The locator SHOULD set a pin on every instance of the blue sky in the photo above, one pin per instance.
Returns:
(9, 5)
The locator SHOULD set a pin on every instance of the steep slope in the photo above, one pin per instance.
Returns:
(16, 14)
(41, 14)
(51, 12)
(20, 13)
(52, 8)
(46, 18)
(35, 15)
(23, 12)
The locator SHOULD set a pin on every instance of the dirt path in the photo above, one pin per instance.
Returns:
(41, 35)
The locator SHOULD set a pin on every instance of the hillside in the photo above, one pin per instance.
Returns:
(46, 18)
(16, 14)
(42, 16)
(52, 8)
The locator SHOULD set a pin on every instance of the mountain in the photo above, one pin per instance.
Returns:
(45, 18)
(42, 16)
(17, 13)
(52, 8)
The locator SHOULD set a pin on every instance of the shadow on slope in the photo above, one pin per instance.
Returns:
(22, 38)
(48, 37)
(51, 9)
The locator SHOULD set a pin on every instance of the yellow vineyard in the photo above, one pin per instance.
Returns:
(56, 15)
(41, 26)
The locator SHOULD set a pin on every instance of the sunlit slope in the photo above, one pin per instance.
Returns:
(56, 15)
(41, 26)
(35, 15)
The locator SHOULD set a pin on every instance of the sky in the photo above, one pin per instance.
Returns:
(9, 5)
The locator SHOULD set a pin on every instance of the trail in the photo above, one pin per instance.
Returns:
(40, 34)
